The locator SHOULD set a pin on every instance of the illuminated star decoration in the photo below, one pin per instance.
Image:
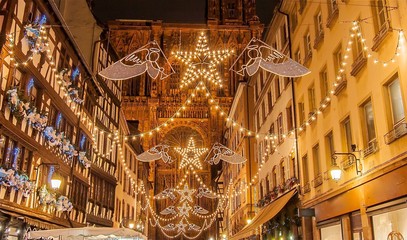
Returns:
(190, 154)
(201, 63)
(184, 209)
(186, 193)
(181, 226)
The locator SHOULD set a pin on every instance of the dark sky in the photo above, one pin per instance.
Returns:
(170, 11)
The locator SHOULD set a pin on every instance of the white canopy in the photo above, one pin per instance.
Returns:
(87, 233)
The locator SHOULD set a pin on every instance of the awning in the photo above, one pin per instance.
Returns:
(264, 215)
(87, 233)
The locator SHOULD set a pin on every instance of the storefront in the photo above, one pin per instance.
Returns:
(375, 209)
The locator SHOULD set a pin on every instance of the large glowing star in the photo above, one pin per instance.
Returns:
(184, 209)
(202, 63)
(186, 193)
(190, 154)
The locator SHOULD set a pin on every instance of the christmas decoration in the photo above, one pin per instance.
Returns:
(263, 56)
(221, 152)
(201, 64)
(205, 192)
(148, 59)
(169, 210)
(184, 209)
(186, 193)
(83, 160)
(167, 193)
(200, 210)
(158, 152)
(190, 154)
(17, 180)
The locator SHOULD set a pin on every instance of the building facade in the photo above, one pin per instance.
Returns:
(351, 117)
(236, 177)
(46, 128)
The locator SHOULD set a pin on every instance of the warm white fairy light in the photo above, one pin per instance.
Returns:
(190, 154)
(202, 63)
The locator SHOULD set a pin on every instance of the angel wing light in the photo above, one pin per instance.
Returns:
(204, 192)
(221, 152)
(200, 210)
(158, 152)
(169, 210)
(194, 227)
(261, 55)
(149, 58)
(167, 193)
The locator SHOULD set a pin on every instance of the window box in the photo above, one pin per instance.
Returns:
(381, 35)
(318, 40)
(332, 17)
(358, 64)
(397, 132)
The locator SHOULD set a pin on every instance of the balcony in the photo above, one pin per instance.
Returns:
(317, 181)
(358, 64)
(397, 132)
(340, 85)
(318, 40)
(306, 188)
(381, 35)
(332, 16)
(371, 148)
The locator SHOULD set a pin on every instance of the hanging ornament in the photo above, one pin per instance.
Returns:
(202, 63)
(149, 58)
(186, 193)
(190, 154)
(181, 226)
(167, 193)
(269, 59)
(169, 210)
(184, 209)
(169, 227)
(221, 152)
(200, 210)
(193, 227)
(155, 153)
(204, 192)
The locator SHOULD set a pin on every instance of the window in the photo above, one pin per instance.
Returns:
(261, 190)
(358, 51)
(294, 20)
(305, 176)
(282, 172)
(274, 176)
(280, 128)
(318, 23)
(331, 232)
(382, 14)
(396, 102)
(307, 45)
(316, 160)
(347, 133)
(277, 87)
(369, 126)
(330, 148)
(311, 99)
(387, 222)
(324, 83)
(267, 185)
(298, 56)
(301, 111)
(289, 113)
(337, 62)
(333, 6)
(270, 100)
(284, 33)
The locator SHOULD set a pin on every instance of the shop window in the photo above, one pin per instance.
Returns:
(331, 232)
(390, 224)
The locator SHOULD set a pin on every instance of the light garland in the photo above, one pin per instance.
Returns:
(201, 64)
(190, 154)
(357, 32)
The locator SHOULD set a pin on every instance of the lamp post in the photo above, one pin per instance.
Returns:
(336, 172)
(55, 181)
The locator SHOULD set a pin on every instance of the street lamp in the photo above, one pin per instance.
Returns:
(336, 172)
(55, 182)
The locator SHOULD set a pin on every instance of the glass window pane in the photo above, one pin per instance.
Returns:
(396, 101)
(331, 233)
(386, 223)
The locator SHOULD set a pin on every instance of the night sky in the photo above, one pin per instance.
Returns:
(170, 11)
